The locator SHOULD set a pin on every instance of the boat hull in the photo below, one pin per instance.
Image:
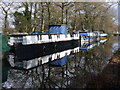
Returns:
(36, 50)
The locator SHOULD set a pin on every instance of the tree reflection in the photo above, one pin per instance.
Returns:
(80, 68)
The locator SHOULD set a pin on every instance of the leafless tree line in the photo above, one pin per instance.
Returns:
(37, 16)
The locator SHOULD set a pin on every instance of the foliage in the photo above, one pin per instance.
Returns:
(37, 16)
(23, 20)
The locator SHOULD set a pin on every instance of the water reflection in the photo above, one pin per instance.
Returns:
(116, 44)
(59, 62)
(28, 64)
(87, 46)
(75, 67)
(5, 67)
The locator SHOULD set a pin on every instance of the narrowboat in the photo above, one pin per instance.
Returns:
(103, 35)
(32, 44)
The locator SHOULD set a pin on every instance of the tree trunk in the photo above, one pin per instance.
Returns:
(35, 18)
(31, 4)
(75, 21)
(66, 16)
(5, 21)
(42, 17)
(48, 13)
(62, 15)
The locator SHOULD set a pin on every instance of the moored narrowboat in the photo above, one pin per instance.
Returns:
(103, 35)
(32, 44)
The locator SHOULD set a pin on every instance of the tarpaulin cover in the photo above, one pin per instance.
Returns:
(83, 34)
(83, 48)
(59, 62)
(3, 44)
(57, 29)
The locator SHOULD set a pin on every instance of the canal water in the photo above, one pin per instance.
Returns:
(73, 68)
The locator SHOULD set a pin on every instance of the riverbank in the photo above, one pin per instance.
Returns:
(115, 58)
(112, 72)
(110, 76)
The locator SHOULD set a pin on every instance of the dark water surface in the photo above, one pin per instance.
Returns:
(73, 70)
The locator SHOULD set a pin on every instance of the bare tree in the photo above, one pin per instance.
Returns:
(6, 6)
(35, 17)
(62, 7)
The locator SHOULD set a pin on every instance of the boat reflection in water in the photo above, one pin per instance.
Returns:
(90, 45)
(59, 62)
(103, 41)
(87, 46)
(58, 70)
(28, 64)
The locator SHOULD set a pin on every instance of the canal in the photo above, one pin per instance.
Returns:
(74, 69)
